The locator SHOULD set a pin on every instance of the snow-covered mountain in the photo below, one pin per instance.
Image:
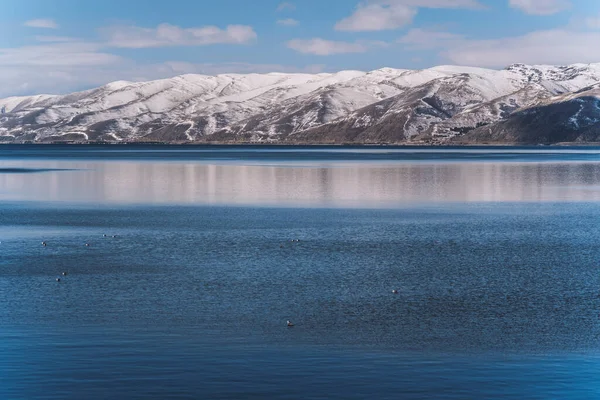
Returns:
(440, 104)
(571, 117)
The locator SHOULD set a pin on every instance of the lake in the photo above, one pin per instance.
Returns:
(197, 256)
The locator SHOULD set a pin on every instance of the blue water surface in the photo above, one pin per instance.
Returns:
(188, 294)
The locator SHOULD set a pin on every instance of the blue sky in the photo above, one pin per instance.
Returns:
(57, 46)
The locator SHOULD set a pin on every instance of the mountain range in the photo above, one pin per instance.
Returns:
(526, 104)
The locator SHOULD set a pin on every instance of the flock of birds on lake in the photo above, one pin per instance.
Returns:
(289, 323)
(65, 273)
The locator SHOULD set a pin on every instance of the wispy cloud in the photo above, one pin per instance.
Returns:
(288, 22)
(42, 23)
(561, 46)
(541, 7)
(474, 4)
(176, 68)
(52, 66)
(57, 54)
(286, 6)
(59, 64)
(55, 39)
(593, 22)
(65, 68)
(418, 38)
(322, 47)
(170, 35)
(556, 46)
(379, 15)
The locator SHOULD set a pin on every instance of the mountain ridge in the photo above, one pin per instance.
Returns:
(438, 105)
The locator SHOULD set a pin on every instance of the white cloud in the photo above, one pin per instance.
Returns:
(379, 15)
(50, 67)
(42, 23)
(171, 35)
(437, 3)
(76, 54)
(474, 4)
(428, 39)
(60, 64)
(322, 47)
(593, 22)
(557, 46)
(288, 22)
(540, 7)
(177, 68)
(57, 79)
(286, 6)
(55, 39)
(63, 67)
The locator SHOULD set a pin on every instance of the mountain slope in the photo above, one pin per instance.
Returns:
(440, 104)
(573, 117)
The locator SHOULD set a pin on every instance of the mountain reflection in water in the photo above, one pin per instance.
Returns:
(312, 185)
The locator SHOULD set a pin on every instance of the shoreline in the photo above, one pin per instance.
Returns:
(298, 144)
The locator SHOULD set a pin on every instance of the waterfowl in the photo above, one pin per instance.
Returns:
(57, 279)
(289, 323)
(394, 291)
(64, 274)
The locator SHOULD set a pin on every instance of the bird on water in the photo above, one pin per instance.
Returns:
(289, 324)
